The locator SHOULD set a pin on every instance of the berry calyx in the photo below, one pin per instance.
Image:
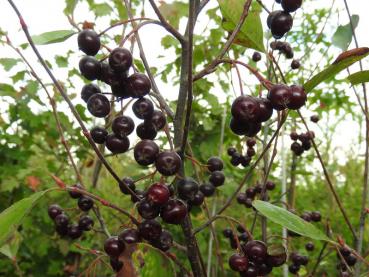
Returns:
(168, 163)
(143, 108)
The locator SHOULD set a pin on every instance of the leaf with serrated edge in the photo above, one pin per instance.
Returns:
(343, 61)
(289, 220)
(343, 35)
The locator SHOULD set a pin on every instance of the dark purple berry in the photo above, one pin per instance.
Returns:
(168, 163)
(117, 144)
(114, 246)
(122, 126)
(145, 152)
(174, 211)
(146, 130)
(89, 90)
(85, 203)
(99, 134)
(89, 42)
(54, 210)
(120, 59)
(98, 105)
(139, 85)
(90, 68)
(143, 108)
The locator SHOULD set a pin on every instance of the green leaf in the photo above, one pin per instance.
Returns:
(10, 249)
(251, 33)
(7, 90)
(343, 35)
(289, 220)
(359, 77)
(8, 63)
(12, 217)
(173, 12)
(53, 37)
(70, 6)
(101, 9)
(343, 61)
(61, 61)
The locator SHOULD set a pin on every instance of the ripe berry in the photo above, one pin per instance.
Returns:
(89, 42)
(251, 271)
(158, 120)
(217, 178)
(291, 5)
(145, 152)
(130, 236)
(276, 260)
(117, 144)
(143, 108)
(250, 142)
(345, 251)
(120, 89)
(174, 211)
(150, 229)
(293, 268)
(168, 163)
(74, 232)
(116, 264)
(99, 134)
(122, 126)
(256, 57)
(238, 262)
(351, 260)
(187, 188)
(207, 189)
(306, 216)
(297, 148)
(245, 108)
(270, 185)
(120, 59)
(306, 145)
(309, 246)
(214, 164)
(280, 96)
(75, 194)
(109, 76)
(238, 127)
(250, 192)
(231, 151)
(280, 24)
(62, 230)
(248, 202)
(85, 203)
(146, 130)
(227, 233)
(258, 188)
(314, 118)
(243, 237)
(165, 241)
(271, 16)
(316, 216)
(294, 136)
(241, 198)
(264, 269)
(236, 159)
(139, 84)
(253, 129)
(250, 152)
(114, 246)
(198, 199)
(298, 97)
(98, 105)
(147, 209)
(295, 64)
(89, 90)
(129, 183)
(158, 194)
(54, 210)
(90, 68)
(140, 194)
(255, 250)
(85, 223)
(61, 220)
(245, 161)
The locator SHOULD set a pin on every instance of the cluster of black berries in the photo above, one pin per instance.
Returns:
(242, 237)
(280, 22)
(304, 138)
(283, 47)
(215, 166)
(239, 159)
(282, 96)
(350, 260)
(62, 223)
(255, 260)
(297, 261)
(248, 113)
(246, 198)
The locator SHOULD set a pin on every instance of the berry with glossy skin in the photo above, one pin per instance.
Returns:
(98, 105)
(129, 183)
(90, 68)
(270, 19)
(89, 90)
(99, 134)
(243, 237)
(256, 57)
(291, 5)
(251, 271)
(147, 209)
(351, 260)
(146, 130)
(158, 119)
(298, 97)
(74, 232)
(231, 151)
(270, 185)
(217, 178)
(316, 216)
(207, 189)
(245, 161)
(116, 264)
(238, 262)
(214, 164)
(241, 198)
(145, 152)
(236, 159)
(109, 76)
(295, 64)
(130, 236)
(293, 268)
(314, 118)
(114, 246)
(198, 199)
(187, 188)
(120, 89)
(306, 216)
(250, 142)
(245, 108)
(238, 127)
(122, 126)
(250, 192)
(143, 108)
(61, 220)
(158, 194)
(168, 163)
(85, 203)
(54, 210)
(117, 144)
(276, 260)
(309, 246)
(120, 59)
(150, 229)
(294, 136)
(165, 241)
(253, 129)
(139, 85)
(255, 250)
(89, 42)
(85, 223)
(264, 269)
(297, 148)
(279, 96)
(250, 152)
(174, 211)
(280, 24)
(227, 233)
